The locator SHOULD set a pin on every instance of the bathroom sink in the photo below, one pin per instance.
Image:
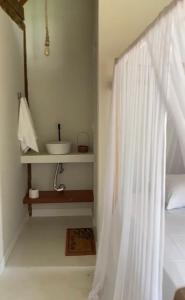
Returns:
(63, 147)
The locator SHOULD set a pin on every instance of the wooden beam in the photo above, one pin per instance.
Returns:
(17, 7)
(22, 2)
(29, 167)
(25, 65)
(15, 10)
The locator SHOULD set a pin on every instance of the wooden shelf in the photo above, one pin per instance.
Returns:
(45, 158)
(46, 197)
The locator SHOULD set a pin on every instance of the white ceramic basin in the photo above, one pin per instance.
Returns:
(63, 147)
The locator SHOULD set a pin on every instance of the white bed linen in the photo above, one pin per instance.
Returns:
(174, 261)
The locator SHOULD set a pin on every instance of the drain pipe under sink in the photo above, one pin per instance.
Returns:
(59, 170)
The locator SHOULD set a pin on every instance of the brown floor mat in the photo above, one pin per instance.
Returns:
(80, 242)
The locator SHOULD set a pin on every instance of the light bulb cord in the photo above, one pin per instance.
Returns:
(47, 41)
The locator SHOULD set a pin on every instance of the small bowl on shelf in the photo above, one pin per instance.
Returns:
(83, 141)
(83, 149)
(58, 148)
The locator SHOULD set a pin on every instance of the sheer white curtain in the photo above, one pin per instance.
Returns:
(148, 80)
(172, 62)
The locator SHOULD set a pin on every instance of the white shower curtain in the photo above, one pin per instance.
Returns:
(148, 81)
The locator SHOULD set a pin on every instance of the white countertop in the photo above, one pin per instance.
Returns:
(41, 158)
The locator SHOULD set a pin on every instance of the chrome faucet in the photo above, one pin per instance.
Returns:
(59, 170)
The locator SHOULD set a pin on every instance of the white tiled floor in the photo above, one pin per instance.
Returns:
(38, 268)
(42, 243)
(35, 284)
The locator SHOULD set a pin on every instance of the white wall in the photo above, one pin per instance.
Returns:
(12, 174)
(61, 85)
(120, 22)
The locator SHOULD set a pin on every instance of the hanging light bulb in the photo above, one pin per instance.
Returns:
(46, 48)
(46, 51)
(47, 40)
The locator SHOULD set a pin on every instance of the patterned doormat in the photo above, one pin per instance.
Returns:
(80, 242)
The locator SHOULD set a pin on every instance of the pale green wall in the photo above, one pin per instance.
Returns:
(61, 86)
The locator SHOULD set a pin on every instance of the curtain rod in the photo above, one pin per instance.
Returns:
(164, 12)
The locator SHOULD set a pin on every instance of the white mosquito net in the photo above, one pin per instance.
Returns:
(149, 86)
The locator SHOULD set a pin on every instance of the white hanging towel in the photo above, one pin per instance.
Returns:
(26, 131)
